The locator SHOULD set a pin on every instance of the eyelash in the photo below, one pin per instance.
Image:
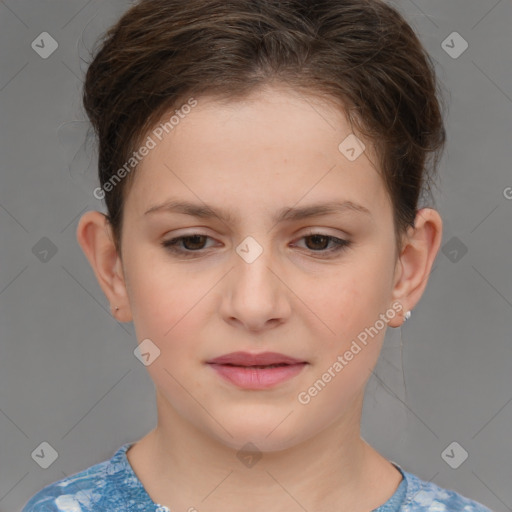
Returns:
(172, 244)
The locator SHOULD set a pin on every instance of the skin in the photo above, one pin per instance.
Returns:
(276, 148)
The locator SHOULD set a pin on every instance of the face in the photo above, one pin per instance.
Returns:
(317, 288)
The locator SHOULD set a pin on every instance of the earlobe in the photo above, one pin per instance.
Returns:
(416, 260)
(95, 238)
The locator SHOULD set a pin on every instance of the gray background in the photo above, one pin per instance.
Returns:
(68, 375)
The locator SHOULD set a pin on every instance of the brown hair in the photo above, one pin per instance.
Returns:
(361, 54)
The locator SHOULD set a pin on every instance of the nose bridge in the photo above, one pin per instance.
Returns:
(254, 267)
(255, 295)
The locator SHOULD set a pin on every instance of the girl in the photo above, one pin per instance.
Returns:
(262, 164)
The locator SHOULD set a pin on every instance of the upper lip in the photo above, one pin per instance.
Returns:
(248, 359)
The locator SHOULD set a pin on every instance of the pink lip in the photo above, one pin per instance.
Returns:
(248, 359)
(238, 368)
(257, 378)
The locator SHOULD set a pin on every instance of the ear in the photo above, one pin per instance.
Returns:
(94, 234)
(415, 261)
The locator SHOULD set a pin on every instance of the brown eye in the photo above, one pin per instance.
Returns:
(194, 242)
(319, 243)
(187, 243)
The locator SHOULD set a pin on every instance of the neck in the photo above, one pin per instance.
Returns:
(180, 466)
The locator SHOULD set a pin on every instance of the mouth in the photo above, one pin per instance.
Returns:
(259, 367)
(257, 377)
(264, 359)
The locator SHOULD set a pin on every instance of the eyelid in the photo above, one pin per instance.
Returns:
(339, 243)
(172, 244)
(324, 232)
(309, 232)
(173, 241)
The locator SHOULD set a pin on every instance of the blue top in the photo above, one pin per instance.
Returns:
(112, 485)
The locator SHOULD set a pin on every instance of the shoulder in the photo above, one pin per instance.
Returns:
(423, 496)
(93, 489)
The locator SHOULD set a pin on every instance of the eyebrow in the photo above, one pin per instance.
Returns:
(285, 214)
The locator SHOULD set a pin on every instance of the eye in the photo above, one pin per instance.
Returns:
(192, 243)
(321, 240)
(195, 243)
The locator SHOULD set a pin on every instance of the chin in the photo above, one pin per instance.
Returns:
(260, 436)
(258, 444)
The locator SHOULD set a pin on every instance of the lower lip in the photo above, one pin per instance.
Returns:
(257, 378)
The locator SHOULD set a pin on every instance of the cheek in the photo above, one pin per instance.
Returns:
(164, 295)
(173, 307)
(344, 360)
(348, 300)
(350, 305)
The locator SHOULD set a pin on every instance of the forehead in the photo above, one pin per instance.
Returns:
(275, 147)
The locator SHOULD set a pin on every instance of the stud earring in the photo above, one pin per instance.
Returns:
(407, 316)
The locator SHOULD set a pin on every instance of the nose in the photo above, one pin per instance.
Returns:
(256, 296)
